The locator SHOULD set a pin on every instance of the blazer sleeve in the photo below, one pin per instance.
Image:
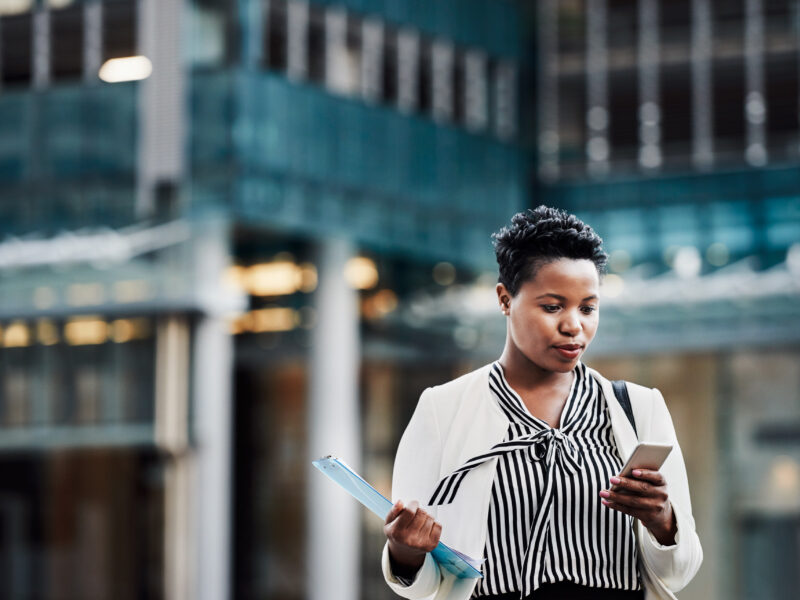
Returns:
(677, 564)
(416, 473)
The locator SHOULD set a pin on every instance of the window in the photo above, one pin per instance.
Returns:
(459, 88)
(408, 77)
(317, 40)
(475, 100)
(66, 46)
(505, 99)
(276, 38)
(354, 51)
(781, 74)
(17, 387)
(442, 76)
(119, 29)
(216, 38)
(343, 53)
(728, 85)
(297, 45)
(675, 86)
(15, 43)
(424, 102)
(623, 111)
(389, 73)
(361, 57)
(372, 50)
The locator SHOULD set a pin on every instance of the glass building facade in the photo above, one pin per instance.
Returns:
(264, 246)
(673, 128)
(174, 317)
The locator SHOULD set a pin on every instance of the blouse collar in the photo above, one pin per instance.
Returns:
(517, 413)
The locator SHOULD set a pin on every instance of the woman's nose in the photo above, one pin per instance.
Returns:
(571, 324)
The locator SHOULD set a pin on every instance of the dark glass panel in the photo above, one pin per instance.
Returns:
(15, 49)
(119, 29)
(66, 46)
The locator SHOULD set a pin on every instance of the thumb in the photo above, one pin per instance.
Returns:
(395, 510)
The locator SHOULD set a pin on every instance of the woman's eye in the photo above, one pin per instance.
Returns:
(551, 308)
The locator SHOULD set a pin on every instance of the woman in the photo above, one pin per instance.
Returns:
(518, 462)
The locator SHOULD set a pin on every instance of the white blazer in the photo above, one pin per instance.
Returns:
(457, 420)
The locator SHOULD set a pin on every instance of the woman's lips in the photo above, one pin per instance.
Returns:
(569, 351)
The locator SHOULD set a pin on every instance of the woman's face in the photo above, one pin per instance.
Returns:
(554, 316)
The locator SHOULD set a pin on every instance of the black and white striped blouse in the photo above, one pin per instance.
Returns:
(546, 522)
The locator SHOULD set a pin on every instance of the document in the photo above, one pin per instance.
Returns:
(459, 564)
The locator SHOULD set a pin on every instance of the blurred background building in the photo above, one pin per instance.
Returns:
(241, 234)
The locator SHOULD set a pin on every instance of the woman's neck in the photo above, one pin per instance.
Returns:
(523, 374)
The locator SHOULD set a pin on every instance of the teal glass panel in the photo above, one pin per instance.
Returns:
(678, 225)
(301, 151)
(375, 158)
(15, 138)
(596, 220)
(212, 119)
(625, 229)
(61, 111)
(394, 10)
(428, 15)
(732, 225)
(68, 131)
(279, 155)
(783, 221)
(351, 144)
(110, 123)
(466, 14)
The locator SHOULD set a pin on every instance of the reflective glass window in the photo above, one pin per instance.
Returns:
(15, 49)
(66, 45)
(119, 29)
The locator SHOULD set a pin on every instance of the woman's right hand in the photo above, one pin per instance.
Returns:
(412, 533)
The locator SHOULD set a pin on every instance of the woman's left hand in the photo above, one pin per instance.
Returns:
(644, 496)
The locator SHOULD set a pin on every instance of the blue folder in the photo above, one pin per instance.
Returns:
(459, 564)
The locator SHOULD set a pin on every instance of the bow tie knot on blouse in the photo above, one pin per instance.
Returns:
(552, 446)
(555, 446)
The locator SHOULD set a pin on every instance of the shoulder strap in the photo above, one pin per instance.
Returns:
(621, 392)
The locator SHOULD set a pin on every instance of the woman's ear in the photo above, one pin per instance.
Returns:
(503, 298)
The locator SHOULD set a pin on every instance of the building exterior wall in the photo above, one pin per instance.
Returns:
(673, 129)
(144, 348)
(137, 215)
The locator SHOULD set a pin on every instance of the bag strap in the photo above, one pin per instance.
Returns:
(621, 392)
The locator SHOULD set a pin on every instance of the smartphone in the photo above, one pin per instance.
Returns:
(646, 456)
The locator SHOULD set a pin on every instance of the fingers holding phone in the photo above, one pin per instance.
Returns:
(641, 491)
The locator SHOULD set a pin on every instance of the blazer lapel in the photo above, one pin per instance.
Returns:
(478, 425)
(624, 434)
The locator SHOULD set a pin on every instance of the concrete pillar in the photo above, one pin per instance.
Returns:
(172, 438)
(702, 105)
(162, 103)
(755, 109)
(334, 530)
(297, 40)
(213, 353)
(597, 147)
(41, 48)
(92, 41)
(212, 395)
(547, 89)
(649, 103)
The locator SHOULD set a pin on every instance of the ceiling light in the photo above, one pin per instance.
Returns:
(130, 68)
(361, 273)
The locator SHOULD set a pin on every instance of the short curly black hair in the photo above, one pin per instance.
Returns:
(539, 236)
